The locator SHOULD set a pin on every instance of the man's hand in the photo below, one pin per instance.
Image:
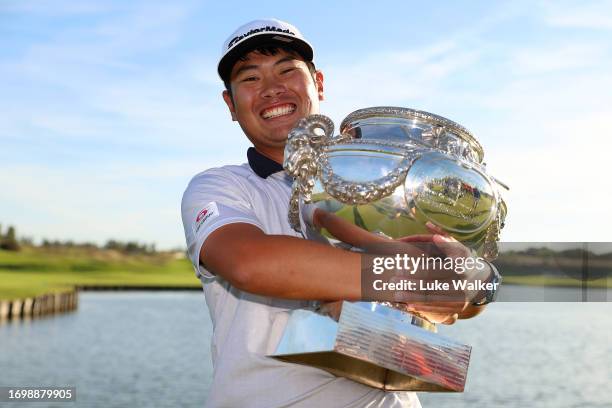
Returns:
(448, 312)
(439, 312)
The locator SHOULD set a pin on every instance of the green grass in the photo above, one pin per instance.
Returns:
(35, 271)
(543, 280)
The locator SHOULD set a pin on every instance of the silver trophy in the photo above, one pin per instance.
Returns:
(389, 172)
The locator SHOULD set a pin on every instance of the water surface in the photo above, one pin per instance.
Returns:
(151, 349)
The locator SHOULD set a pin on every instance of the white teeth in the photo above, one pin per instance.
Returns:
(278, 111)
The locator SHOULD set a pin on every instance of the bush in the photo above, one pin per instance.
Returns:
(9, 241)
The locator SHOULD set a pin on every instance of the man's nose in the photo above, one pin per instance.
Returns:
(273, 87)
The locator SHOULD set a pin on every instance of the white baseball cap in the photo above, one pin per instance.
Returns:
(258, 33)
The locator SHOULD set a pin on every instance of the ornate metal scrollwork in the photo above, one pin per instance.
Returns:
(302, 154)
(356, 193)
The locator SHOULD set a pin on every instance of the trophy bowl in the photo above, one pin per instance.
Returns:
(389, 172)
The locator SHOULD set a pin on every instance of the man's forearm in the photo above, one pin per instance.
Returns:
(282, 266)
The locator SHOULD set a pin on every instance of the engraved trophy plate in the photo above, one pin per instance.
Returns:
(390, 171)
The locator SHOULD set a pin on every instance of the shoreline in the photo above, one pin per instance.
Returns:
(67, 301)
(153, 288)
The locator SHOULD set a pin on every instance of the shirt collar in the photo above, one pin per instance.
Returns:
(262, 165)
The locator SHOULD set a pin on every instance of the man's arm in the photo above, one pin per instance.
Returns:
(292, 268)
(281, 266)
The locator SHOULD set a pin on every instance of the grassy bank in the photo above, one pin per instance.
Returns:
(555, 270)
(558, 281)
(34, 271)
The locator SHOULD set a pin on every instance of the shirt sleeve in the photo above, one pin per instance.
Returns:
(213, 199)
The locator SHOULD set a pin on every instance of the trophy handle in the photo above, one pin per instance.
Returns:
(302, 153)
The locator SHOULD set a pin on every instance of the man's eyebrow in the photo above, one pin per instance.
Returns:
(253, 66)
(285, 59)
(244, 68)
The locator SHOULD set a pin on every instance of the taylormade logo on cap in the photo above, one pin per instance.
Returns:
(267, 29)
(264, 32)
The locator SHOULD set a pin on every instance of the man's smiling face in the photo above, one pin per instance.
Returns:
(270, 93)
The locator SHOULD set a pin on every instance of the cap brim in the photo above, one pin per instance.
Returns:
(264, 40)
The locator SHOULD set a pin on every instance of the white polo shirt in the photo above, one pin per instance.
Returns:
(248, 327)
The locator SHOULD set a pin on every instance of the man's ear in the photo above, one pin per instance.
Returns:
(230, 104)
(319, 84)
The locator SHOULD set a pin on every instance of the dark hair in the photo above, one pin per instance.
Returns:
(268, 51)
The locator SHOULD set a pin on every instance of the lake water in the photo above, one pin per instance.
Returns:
(151, 349)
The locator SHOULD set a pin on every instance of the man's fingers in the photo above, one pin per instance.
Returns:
(445, 242)
(435, 229)
(451, 247)
(417, 238)
(440, 307)
(451, 319)
(424, 296)
(439, 312)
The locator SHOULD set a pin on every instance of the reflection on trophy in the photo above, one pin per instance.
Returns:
(389, 172)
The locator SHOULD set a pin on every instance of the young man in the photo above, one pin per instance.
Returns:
(254, 267)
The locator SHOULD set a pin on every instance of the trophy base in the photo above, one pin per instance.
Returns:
(375, 345)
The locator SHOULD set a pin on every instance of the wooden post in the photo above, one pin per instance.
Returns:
(5, 307)
(73, 297)
(36, 307)
(56, 302)
(16, 309)
(43, 304)
(27, 307)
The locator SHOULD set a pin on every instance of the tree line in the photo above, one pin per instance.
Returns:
(129, 247)
(10, 242)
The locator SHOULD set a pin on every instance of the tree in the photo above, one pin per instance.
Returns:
(9, 241)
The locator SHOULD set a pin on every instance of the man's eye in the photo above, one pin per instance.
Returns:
(249, 79)
(286, 70)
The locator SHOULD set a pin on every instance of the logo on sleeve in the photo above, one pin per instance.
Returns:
(207, 213)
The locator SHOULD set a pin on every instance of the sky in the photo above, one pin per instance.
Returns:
(110, 107)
